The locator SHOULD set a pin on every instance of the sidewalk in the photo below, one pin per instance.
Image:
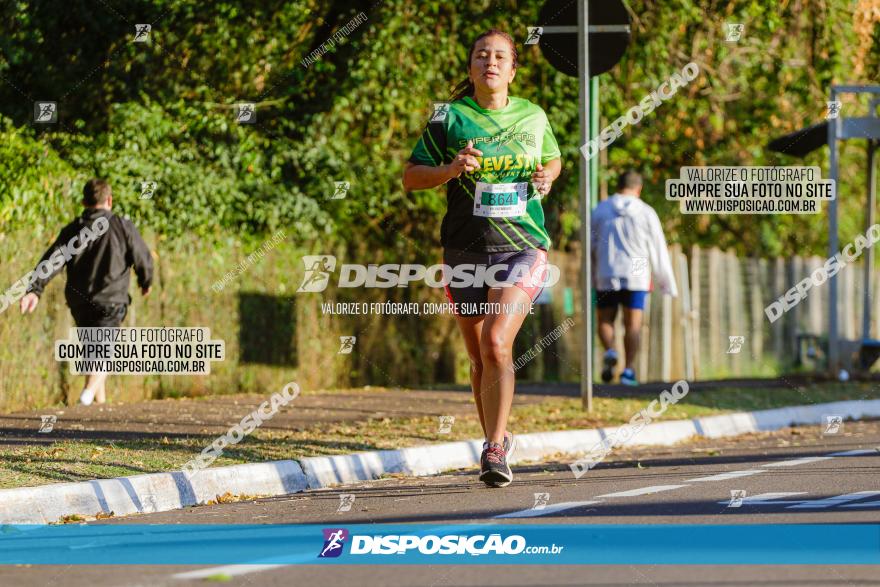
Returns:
(112, 440)
(155, 492)
(115, 441)
(212, 415)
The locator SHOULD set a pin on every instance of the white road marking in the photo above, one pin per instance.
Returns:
(769, 498)
(833, 501)
(730, 475)
(550, 509)
(642, 491)
(792, 463)
(863, 504)
(855, 453)
(227, 570)
(761, 499)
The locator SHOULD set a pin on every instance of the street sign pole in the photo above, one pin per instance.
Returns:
(833, 350)
(585, 201)
(567, 27)
(594, 132)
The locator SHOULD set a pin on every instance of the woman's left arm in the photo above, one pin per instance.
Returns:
(546, 174)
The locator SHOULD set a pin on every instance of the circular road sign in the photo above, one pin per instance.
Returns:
(608, 37)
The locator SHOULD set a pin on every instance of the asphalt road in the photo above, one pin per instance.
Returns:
(793, 476)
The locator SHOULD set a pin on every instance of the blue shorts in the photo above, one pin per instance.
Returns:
(613, 298)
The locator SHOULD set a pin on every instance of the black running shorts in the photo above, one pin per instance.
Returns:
(98, 315)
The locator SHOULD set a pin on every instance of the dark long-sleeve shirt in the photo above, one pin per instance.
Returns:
(98, 272)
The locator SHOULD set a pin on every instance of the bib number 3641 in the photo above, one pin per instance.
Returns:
(500, 200)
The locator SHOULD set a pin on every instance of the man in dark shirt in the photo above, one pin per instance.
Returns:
(98, 249)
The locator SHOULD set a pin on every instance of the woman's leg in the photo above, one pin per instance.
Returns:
(470, 327)
(496, 352)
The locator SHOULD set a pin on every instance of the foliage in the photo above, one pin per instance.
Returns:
(164, 111)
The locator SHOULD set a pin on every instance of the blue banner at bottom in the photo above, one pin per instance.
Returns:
(561, 544)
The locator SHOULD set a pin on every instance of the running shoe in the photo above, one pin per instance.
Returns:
(509, 444)
(87, 397)
(494, 470)
(628, 377)
(609, 361)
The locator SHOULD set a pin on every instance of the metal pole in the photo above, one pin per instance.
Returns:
(869, 255)
(594, 132)
(833, 362)
(585, 200)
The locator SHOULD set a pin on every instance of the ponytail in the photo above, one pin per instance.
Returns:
(464, 88)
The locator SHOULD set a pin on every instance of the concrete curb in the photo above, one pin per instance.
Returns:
(159, 492)
(155, 492)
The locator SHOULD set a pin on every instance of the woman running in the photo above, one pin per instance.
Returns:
(498, 156)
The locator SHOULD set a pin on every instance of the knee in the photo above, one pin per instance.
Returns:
(476, 363)
(495, 350)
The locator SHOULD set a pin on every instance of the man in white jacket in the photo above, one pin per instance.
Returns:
(628, 250)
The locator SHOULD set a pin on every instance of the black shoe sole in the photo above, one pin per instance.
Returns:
(608, 371)
(496, 478)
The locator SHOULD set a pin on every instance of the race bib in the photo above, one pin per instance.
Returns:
(500, 200)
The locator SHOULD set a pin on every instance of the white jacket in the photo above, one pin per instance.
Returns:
(629, 247)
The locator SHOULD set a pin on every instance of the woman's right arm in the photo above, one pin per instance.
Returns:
(423, 177)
